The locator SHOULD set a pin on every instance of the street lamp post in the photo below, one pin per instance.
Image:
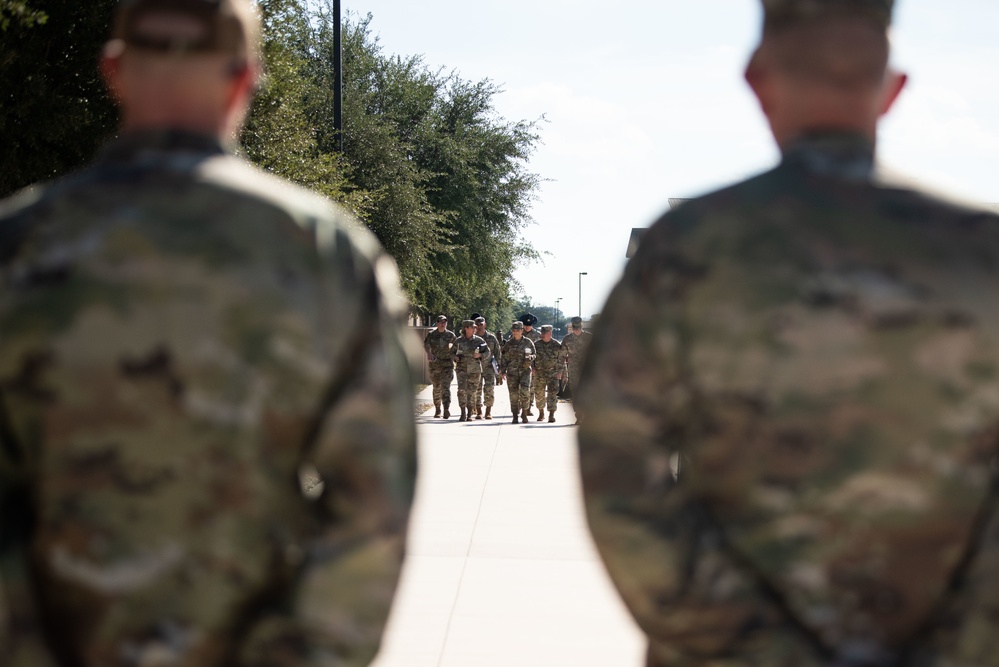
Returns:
(558, 320)
(580, 303)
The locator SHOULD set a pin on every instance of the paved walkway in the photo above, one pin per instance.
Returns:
(501, 570)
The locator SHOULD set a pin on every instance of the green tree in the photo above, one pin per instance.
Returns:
(19, 13)
(54, 111)
(279, 135)
(447, 177)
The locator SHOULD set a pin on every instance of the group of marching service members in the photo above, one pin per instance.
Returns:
(533, 363)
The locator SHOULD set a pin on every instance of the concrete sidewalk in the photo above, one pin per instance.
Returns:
(501, 570)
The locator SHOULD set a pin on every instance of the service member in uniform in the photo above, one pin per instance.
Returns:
(789, 453)
(575, 345)
(486, 393)
(173, 362)
(470, 353)
(439, 346)
(533, 335)
(518, 357)
(549, 367)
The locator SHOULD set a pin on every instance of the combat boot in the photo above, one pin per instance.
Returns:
(515, 420)
(528, 411)
(463, 417)
(489, 410)
(541, 415)
(523, 416)
(551, 417)
(447, 410)
(437, 410)
(478, 412)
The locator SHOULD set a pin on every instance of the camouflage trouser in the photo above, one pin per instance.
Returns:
(519, 386)
(441, 376)
(486, 391)
(467, 382)
(543, 381)
(574, 377)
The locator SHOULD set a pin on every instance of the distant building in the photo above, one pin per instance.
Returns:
(637, 232)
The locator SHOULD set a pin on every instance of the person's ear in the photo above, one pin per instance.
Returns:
(891, 88)
(110, 69)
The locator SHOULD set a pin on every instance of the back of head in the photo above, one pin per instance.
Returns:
(188, 27)
(172, 63)
(823, 64)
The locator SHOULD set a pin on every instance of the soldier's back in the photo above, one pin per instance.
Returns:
(822, 355)
(173, 354)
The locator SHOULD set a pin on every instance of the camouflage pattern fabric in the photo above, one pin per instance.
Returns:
(441, 377)
(469, 368)
(534, 336)
(575, 347)
(548, 365)
(518, 355)
(789, 452)
(485, 393)
(173, 360)
(438, 346)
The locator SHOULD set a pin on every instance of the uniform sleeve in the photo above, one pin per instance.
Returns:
(364, 452)
(964, 634)
(22, 642)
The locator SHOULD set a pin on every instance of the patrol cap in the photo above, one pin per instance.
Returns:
(781, 13)
(576, 322)
(517, 325)
(187, 26)
(467, 323)
(442, 318)
(546, 328)
(479, 319)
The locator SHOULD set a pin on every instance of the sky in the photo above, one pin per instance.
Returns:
(639, 101)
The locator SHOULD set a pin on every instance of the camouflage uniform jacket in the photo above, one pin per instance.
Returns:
(172, 362)
(439, 345)
(495, 352)
(575, 347)
(818, 351)
(518, 355)
(550, 358)
(464, 354)
(533, 335)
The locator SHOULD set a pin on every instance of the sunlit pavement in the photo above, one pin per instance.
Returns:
(501, 570)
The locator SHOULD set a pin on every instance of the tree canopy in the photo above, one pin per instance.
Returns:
(427, 163)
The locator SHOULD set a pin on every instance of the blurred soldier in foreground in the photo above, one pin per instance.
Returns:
(575, 345)
(549, 365)
(485, 394)
(439, 346)
(789, 448)
(470, 353)
(173, 360)
(518, 355)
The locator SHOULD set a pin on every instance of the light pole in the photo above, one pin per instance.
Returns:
(558, 320)
(579, 305)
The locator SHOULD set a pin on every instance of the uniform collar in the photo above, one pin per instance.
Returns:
(844, 155)
(145, 144)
